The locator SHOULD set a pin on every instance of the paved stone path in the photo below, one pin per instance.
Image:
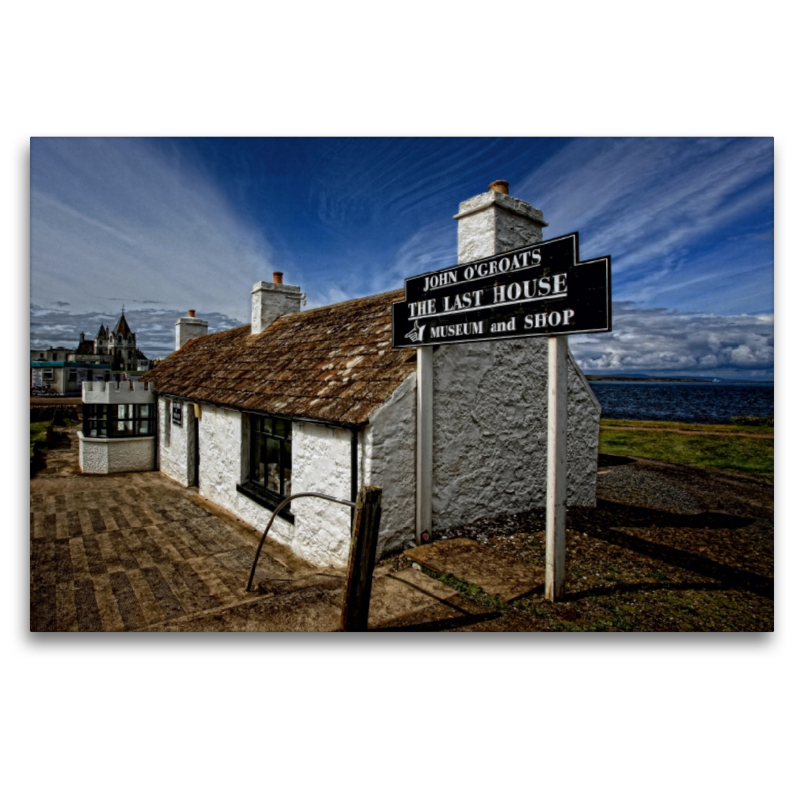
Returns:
(136, 552)
(121, 553)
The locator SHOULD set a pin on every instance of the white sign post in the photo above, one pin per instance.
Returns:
(556, 513)
(424, 444)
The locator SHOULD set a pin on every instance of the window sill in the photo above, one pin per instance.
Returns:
(139, 438)
(258, 495)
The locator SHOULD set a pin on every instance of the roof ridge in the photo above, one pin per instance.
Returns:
(345, 302)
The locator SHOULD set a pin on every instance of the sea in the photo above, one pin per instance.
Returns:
(684, 401)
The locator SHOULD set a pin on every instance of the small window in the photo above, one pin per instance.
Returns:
(270, 468)
(118, 421)
(47, 374)
(95, 420)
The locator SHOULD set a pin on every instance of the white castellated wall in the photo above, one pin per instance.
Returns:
(118, 392)
(103, 455)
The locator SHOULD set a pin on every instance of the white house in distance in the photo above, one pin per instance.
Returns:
(319, 401)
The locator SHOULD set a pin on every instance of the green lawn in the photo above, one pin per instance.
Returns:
(759, 425)
(661, 442)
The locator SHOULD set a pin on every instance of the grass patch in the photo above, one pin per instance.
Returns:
(760, 425)
(469, 590)
(744, 454)
(39, 436)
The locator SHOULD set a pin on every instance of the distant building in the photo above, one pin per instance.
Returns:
(54, 371)
(117, 346)
(62, 371)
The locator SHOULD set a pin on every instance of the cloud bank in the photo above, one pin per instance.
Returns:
(651, 341)
(657, 341)
(154, 328)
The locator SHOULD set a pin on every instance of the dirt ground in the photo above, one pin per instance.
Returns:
(668, 548)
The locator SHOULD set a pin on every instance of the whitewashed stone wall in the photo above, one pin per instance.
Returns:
(387, 455)
(223, 441)
(489, 439)
(176, 459)
(103, 456)
(490, 431)
(320, 463)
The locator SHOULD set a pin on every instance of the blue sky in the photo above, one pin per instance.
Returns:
(163, 225)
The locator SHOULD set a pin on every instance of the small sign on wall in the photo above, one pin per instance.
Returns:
(177, 413)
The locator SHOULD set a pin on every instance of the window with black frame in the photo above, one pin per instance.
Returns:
(270, 457)
(118, 421)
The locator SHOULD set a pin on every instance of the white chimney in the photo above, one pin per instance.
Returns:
(273, 300)
(494, 222)
(188, 328)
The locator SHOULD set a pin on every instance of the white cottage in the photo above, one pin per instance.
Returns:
(319, 401)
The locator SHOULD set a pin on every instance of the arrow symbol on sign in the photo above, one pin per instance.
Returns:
(416, 333)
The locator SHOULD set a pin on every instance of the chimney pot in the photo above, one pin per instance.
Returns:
(493, 222)
(277, 277)
(501, 187)
(191, 312)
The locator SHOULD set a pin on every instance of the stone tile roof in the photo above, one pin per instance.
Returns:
(334, 363)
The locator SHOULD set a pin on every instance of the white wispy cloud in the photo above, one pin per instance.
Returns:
(431, 247)
(651, 202)
(115, 218)
(645, 197)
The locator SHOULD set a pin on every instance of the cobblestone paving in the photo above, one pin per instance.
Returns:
(121, 553)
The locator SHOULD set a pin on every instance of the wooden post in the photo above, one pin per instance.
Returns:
(555, 555)
(363, 545)
(424, 442)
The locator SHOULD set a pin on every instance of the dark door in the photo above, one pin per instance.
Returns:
(196, 437)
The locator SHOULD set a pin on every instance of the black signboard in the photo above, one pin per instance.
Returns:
(177, 413)
(538, 290)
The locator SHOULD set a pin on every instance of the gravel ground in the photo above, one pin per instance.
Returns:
(668, 548)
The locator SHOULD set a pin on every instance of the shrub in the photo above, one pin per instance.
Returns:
(40, 438)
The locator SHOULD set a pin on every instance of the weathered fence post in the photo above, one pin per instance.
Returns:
(363, 545)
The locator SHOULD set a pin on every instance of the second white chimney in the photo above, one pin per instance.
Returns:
(188, 328)
(272, 300)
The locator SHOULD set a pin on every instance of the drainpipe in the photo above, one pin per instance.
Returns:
(353, 469)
